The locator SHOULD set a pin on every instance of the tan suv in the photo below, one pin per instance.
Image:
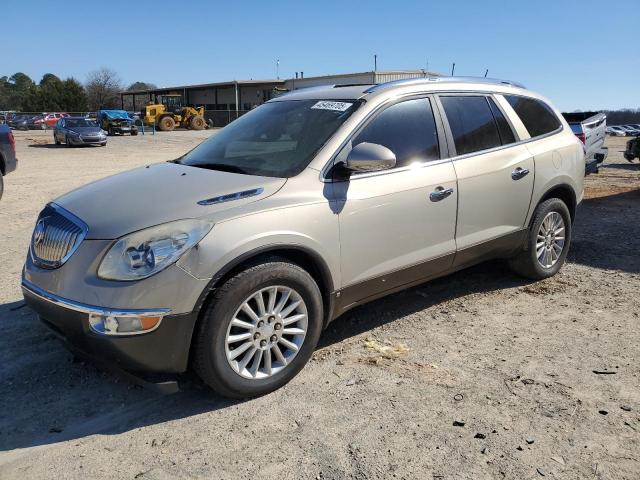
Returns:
(234, 257)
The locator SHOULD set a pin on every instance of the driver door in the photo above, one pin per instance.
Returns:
(397, 226)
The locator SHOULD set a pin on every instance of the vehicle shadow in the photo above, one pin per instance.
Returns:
(45, 145)
(56, 398)
(634, 167)
(606, 234)
(483, 278)
(48, 396)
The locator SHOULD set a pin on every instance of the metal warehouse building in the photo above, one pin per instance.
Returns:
(226, 101)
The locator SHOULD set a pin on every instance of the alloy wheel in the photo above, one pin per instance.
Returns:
(550, 240)
(266, 332)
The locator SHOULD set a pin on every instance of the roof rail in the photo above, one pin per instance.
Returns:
(420, 80)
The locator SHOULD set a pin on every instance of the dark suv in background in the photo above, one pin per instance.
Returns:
(8, 159)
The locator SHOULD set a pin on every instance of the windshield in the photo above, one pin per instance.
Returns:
(78, 123)
(277, 139)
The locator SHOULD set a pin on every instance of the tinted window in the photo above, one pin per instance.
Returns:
(537, 117)
(407, 129)
(472, 124)
(504, 129)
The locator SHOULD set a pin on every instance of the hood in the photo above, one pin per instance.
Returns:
(160, 193)
(86, 130)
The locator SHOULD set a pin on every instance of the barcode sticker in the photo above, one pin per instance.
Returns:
(335, 106)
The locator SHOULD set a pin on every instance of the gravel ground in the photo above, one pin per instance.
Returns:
(477, 375)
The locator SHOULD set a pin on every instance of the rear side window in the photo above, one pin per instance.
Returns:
(472, 124)
(537, 117)
(408, 129)
(506, 134)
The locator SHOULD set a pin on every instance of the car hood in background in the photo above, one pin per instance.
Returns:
(160, 193)
(86, 130)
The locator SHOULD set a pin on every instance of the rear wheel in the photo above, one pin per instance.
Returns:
(259, 329)
(55, 139)
(197, 123)
(166, 124)
(548, 241)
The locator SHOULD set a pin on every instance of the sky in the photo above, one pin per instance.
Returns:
(580, 54)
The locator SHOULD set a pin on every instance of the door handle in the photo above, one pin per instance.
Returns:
(519, 173)
(440, 193)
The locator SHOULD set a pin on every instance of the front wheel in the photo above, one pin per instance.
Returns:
(259, 329)
(548, 241)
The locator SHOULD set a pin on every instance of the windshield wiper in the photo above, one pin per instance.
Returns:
(223, 167)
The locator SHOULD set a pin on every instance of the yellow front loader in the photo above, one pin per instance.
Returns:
(170, 113)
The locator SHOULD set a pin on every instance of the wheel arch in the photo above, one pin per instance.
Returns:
(304, 257)
(565, 193)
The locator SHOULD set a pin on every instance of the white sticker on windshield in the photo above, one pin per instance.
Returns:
(335, 106)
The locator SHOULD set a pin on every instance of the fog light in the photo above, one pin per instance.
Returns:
(123, 325)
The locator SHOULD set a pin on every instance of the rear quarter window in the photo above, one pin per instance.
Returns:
(537, 117)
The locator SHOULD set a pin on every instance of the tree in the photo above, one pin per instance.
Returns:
(142, 86)
(103, 89)
(139, 99)
(74, 96)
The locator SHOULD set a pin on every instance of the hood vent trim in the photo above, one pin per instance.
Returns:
(232, 196)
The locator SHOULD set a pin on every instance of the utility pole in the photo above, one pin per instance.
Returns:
(278, 69)
(486, 72)
(375, 63)
(453, 68)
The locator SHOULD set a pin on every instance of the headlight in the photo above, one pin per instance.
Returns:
(149, 251)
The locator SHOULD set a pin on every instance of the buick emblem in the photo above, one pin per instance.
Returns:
(38, 233)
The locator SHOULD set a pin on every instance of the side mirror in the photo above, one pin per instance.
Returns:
(370, 157)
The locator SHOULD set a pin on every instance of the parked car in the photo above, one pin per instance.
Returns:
(19, 122)
(36, 122)
(590, 128)
(616, 131)
(75, 131)
(8, 160)
(631, 129)
(235, 256)
(116, 122)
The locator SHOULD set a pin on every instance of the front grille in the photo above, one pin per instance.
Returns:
(90, 139)
(57, 235)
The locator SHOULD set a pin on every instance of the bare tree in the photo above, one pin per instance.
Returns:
(103, 89)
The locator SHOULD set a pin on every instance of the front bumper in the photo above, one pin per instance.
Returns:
(88, 141)
(162, 350)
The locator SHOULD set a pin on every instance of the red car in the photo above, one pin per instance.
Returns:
(46, 120)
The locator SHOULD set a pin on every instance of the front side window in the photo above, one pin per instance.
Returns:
(407, 128)
(472, 124)
(277, 139)
(537, 117)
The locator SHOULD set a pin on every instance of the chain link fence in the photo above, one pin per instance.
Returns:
(45, 121)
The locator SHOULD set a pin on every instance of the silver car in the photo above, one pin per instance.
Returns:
(233, 258)
(74, 131)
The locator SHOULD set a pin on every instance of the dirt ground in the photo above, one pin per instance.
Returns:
(477, 375)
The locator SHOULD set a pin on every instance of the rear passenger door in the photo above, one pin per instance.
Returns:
(495, 174)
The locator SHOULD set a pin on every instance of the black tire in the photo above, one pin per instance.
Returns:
(197, 123)
(66, 142)
(166, 124)
(526, 262)
(134, 133)
(55, 139)
(209, 357)
(1, 185)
